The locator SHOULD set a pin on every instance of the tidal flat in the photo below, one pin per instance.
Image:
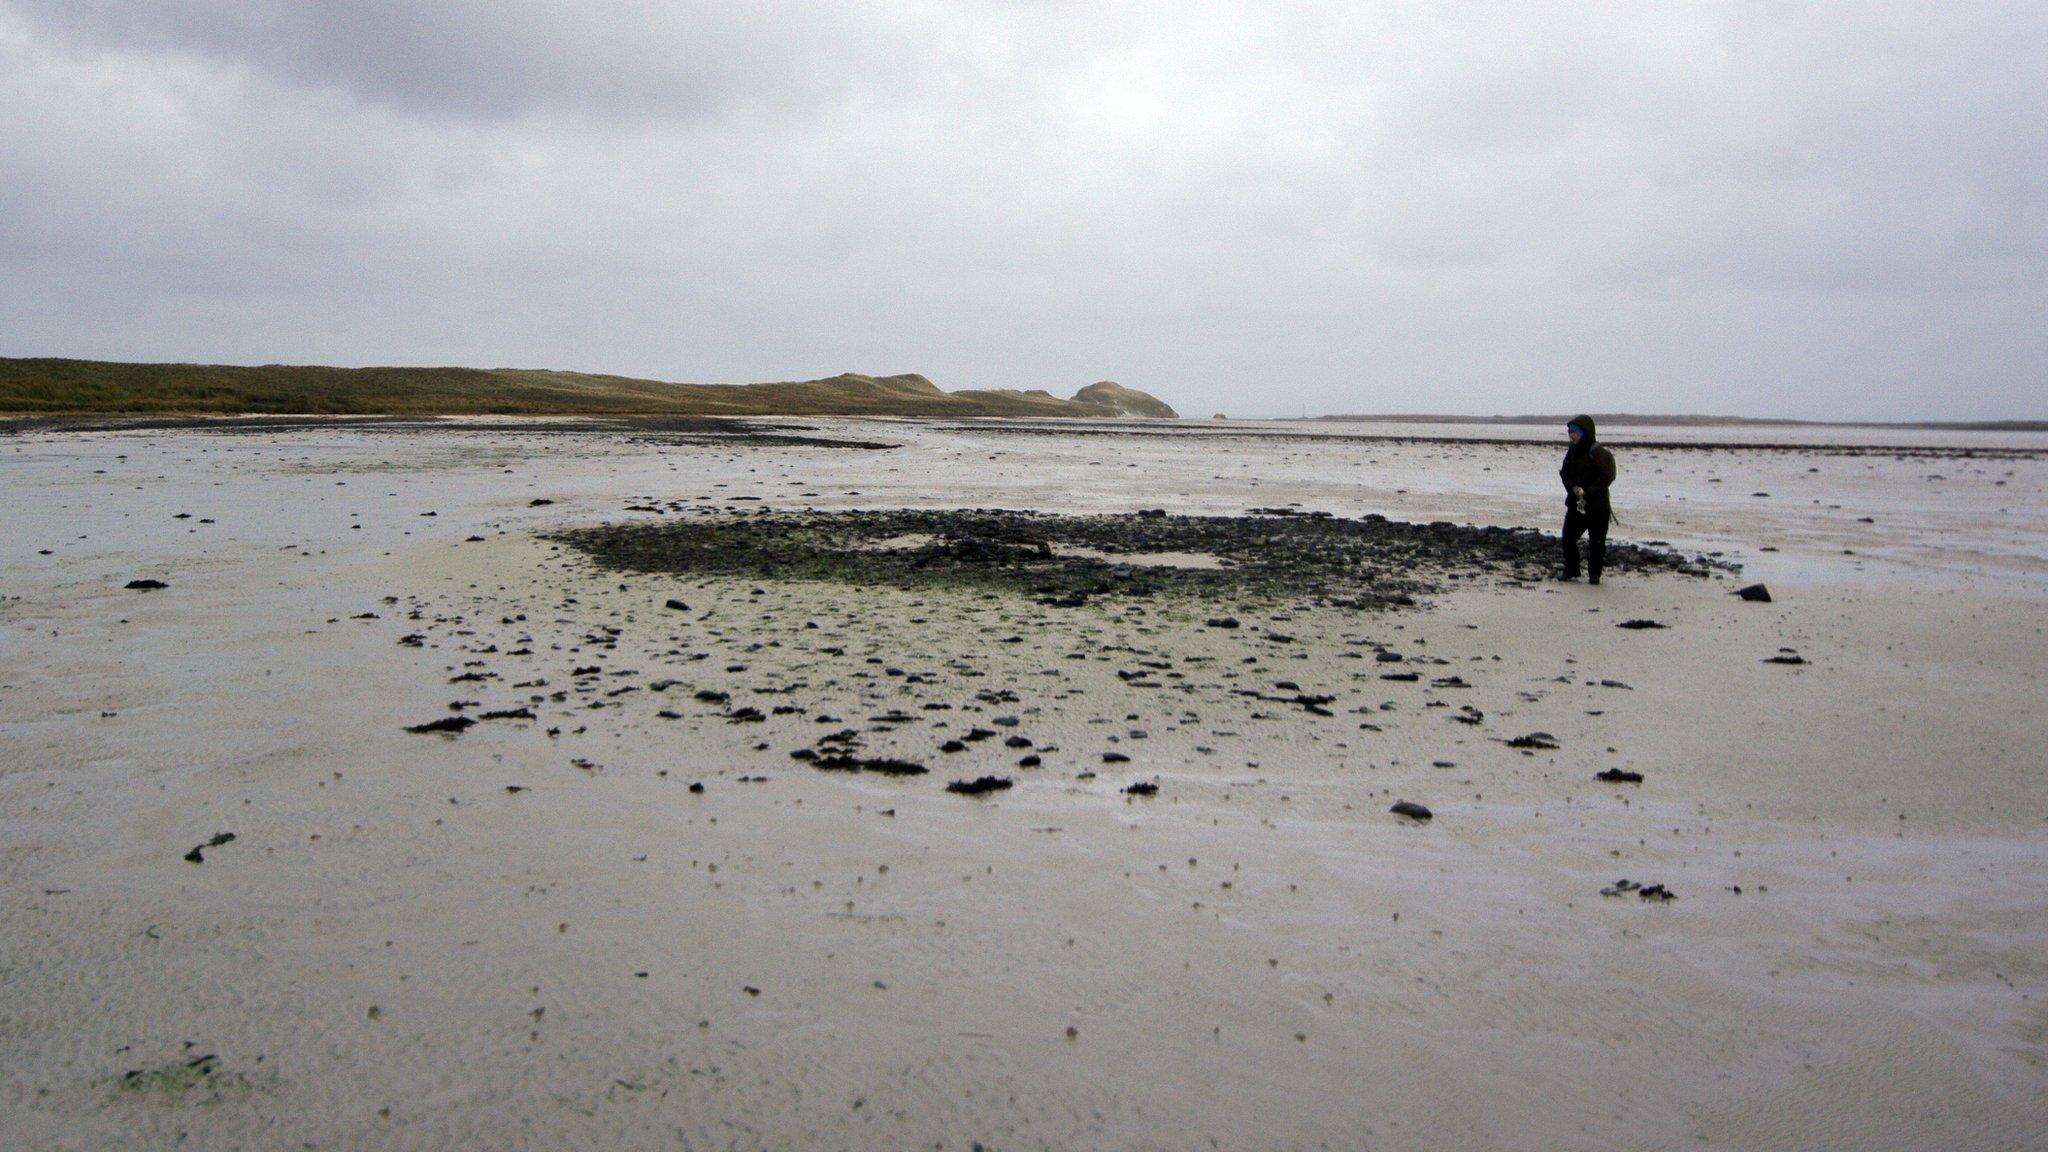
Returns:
(545, 783)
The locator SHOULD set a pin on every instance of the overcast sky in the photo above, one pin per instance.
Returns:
(1831, 210)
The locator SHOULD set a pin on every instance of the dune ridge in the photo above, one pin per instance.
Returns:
(46, 385)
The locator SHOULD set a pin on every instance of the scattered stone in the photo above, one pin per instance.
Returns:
(1143, 788)
(1537, 740)
(1756, 592)
(197, 855)
(843, 762)
(1785, 658)
(952, 746)
(1620, 776)
(980, 786)
(677, 605)
(1411, 810)
(449, 724)
(1402, 677)
(1115, 758)
(539, 502)
(146, 585)
(508, 714)
(1640, 624)
(1221, 622)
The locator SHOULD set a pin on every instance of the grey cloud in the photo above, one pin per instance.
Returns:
(498, 58)
(1252, 207)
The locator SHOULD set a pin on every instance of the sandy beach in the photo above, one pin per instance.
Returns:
(242, 905)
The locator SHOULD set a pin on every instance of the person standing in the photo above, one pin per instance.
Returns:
(1587, 474)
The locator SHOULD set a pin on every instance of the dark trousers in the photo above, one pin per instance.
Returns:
(1592, 524)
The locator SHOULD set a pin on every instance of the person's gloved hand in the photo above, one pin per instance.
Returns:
(1579, 499)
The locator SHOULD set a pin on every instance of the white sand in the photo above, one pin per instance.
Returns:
(395, 951)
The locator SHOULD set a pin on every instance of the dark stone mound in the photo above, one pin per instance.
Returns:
(448, 724)
(1755, 592)
(1143, 788)
(1368, 563)
(979, 787)
(146, 585)
(1534, 740)
(1619, 776)
(1640, 624)
(1411, 809)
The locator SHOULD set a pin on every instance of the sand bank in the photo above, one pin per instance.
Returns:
(541, 933)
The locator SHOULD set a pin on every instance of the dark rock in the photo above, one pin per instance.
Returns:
(952, 746)
(1403, 677)
(1115, 758)
(450, 724)
(1657, 893)
(1143, 788)
(1221, 622)
(1031, 761)
(1411, 810)
(677, 605)
(1756, 592)
(1620, 776)
(1639, 624)
(539, 502)
(981, 786)
(146, 585)
(1785, 658)
(1388, 657)
(197, 855)
(843, 762)
(1539, 740)
(508, 714)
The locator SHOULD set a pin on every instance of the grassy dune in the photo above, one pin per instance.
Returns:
(51, 386)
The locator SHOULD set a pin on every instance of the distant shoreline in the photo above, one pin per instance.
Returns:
(1625, 419)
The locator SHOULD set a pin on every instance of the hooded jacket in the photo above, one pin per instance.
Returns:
(1590, 466)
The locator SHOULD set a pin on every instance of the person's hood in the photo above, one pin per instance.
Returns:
(1585, 424)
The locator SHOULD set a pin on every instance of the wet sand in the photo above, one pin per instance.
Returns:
(542, 933)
